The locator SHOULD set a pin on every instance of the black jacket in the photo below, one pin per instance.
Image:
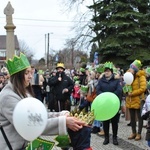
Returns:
(60, 85)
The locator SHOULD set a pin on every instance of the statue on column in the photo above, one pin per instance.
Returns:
(8, 11)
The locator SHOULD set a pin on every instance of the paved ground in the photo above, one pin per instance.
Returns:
(124, 144)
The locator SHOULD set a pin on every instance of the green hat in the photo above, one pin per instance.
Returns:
(17, 64)
(136, 65)
(84, 88)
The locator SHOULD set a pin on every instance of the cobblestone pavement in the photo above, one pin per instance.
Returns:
(124, 144)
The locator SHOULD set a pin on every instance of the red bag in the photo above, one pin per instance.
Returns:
(91, 97)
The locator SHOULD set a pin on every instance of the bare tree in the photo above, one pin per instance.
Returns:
(24, 48)
(82, 23)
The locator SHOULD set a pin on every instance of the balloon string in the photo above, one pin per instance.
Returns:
(31, 145)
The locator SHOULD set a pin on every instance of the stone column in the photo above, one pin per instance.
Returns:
(10, 38)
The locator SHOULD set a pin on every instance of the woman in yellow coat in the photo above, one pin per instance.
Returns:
(133, 99)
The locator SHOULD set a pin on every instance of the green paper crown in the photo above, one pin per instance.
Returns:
(82, 69)
(17, 64)
(84, 88)
(100, 68)
(75, 78)
(109, 65)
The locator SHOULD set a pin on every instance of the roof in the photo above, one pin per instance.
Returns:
(3, 42)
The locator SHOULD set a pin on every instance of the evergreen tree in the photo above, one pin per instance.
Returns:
(122, 29)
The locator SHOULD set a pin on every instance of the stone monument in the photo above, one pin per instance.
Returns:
(10, 39)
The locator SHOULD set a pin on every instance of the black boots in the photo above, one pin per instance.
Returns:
(95, 129)
(115, 141)
(106, 141)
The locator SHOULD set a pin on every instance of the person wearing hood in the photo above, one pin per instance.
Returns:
(134, 98)
(109, 83)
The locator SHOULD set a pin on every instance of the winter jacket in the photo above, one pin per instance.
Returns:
(76, 92)
(138, 90)
(8, 101)
(59, 86)
(112, 85)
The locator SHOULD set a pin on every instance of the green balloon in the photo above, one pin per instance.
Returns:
(105, 106)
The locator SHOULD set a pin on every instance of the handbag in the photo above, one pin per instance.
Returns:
(91, 96)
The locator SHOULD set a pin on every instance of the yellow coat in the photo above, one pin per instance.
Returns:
(138, 90)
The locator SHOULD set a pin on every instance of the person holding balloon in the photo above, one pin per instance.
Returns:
(23, 119)
(136, 77)
(108, 83)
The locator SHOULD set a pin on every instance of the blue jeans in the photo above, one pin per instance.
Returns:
(96, 123)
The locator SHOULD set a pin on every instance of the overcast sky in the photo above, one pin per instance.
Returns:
(35, 18)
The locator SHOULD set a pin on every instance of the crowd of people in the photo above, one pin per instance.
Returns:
(61, 88)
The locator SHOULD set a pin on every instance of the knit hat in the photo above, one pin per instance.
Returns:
(136, 65)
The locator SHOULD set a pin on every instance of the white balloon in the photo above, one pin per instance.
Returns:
(128, 78)
(30, 118)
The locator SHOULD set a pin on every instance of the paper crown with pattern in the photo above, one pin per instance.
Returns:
(60, 65)
(108, 65)
(17, 64)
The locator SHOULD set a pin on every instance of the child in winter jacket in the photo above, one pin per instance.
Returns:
(76, 93)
